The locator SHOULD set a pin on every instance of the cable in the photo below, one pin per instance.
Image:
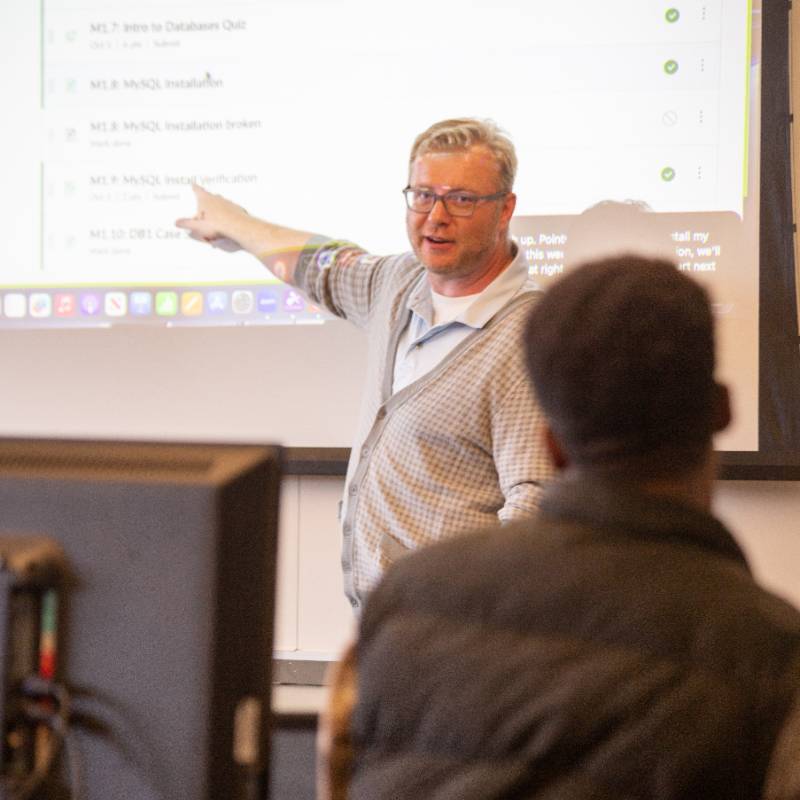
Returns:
(74, 764)
(44, 703)
(48, 748)
(64, 714)
(102, 716)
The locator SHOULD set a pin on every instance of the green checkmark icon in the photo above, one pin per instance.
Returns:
(670, 67)
(667, 174)
(672, 15)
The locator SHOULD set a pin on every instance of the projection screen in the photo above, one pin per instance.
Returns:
(637, 126)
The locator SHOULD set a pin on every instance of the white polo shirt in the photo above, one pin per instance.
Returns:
(439, 323)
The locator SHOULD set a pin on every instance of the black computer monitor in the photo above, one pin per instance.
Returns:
(165, 623)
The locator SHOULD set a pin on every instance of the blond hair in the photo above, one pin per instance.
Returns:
(456, 135)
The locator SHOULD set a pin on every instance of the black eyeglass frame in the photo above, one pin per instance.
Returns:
(410, 190)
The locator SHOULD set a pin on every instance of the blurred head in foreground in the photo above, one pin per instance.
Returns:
(615, 647)
(621, 355)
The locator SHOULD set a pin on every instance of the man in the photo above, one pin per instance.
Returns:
(443, 441)
(616, 647)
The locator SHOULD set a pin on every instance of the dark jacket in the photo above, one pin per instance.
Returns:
(616, 648)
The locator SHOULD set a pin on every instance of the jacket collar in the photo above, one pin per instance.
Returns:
(627, 511)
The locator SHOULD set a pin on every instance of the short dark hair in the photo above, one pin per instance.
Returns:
(621, 355)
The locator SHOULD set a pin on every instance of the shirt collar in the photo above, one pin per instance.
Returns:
(486, 303)
(624, 510)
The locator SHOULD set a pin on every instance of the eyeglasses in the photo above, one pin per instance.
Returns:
(457, 204)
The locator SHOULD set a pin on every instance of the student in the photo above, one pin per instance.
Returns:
(616, 647)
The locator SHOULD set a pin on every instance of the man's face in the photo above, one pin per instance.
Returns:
(457, 248)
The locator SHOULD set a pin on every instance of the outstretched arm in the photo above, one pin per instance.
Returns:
(221, 223)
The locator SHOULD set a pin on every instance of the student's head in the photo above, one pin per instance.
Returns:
(621, 355)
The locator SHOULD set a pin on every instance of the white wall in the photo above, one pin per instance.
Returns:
(313, 619)
(764, 516)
